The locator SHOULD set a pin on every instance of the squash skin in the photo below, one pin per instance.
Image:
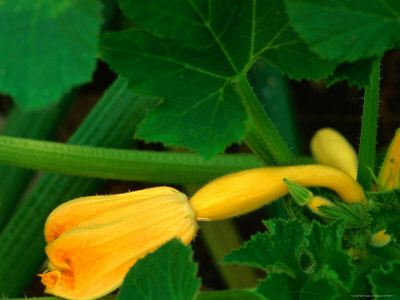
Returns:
(244, 191)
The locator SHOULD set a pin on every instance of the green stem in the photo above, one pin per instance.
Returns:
(366, 160)
(264, 126)
(134, 165)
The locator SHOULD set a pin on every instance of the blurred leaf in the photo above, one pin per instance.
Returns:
(284, 287)
(357, 73)
(190, 53)
(347, 30)
(385, 212)
(169, 273)
(229, 295)
(386, 280)
(47, 47)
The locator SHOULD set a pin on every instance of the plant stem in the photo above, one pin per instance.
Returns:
(134, 165)
(366, 154)
(264, 126)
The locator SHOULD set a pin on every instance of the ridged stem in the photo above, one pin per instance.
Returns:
(134, 165)
(264, 126)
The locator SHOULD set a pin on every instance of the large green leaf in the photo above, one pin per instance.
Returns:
(46, 47)
(167, 274)
(347, 30)
(190, 53)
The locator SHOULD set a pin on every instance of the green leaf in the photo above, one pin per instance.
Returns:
(298, 262)
(347, 30)
(284, 287)
(325, 249)
(47, 47)
(386, 281)
(278, 249)
(385, 212)
(388, 218)
(357, 73)
(190, 52)
(166, 274)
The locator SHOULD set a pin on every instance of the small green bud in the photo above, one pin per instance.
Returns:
(301, 195)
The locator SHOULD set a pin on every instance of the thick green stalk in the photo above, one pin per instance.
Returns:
(273, 91)
(264, 126)
(111, 123)
(35, 125)
(369, 125)
(134, 165)
(256, 144)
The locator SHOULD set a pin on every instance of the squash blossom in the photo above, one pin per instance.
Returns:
(93, 241)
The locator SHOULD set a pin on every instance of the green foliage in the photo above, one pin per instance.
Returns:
(386, 280)
(187, 61)
(47, 47)
(167, 274)
(299, 262)
(346, 30)
(199, 50)
(385, 213)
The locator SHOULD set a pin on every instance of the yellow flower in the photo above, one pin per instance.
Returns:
(389, 177)
(93, 241)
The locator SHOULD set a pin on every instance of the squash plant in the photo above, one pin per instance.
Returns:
(183, 70)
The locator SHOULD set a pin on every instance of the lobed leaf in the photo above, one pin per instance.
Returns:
(324, 247)
(191, 52)
(300, 264)
(278, 249)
